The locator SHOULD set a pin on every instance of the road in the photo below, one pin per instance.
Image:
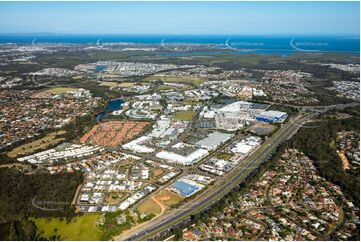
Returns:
(319, 108)
(216, 192)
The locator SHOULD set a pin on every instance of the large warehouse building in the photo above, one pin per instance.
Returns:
(183, 188)
(213, 140)
(272, 116)
(183, 159)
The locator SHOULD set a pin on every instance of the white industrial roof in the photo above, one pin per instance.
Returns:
(185, 160)
(242, 148)
(213, 140)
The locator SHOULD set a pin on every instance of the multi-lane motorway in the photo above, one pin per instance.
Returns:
(225, 185)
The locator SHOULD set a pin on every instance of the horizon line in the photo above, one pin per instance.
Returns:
(189, 34)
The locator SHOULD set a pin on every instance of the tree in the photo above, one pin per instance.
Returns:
(29, 230)
(12, 233)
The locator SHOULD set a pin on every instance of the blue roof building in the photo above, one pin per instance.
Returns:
(184, 189)
(272, 116)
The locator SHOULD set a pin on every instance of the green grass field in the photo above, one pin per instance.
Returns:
(39, 144)
(176, 79)
(149, 207)
(60, 90)
(117, 84)
(224, 156)
(80, 228)
(184, 115)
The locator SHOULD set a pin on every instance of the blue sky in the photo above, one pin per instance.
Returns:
(316, 18)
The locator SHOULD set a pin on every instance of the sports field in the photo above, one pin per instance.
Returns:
(113, 133)
(80, 228)
(39, 144)
(168, 198)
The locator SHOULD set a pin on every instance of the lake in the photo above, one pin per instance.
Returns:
(113, 105)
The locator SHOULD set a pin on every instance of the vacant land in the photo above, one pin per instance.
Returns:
(77, 77)
(113, 198)
(149, 206)
(190, 101)
(117, 84)
(53, 91)
(184, 115)
(40, 144)
(224, 156)
(113, 133)
(345, 161)
(176, 79)
(168, 198)
(17, 166)
(157, 172)
(262, 128)
(165, 88)
(60, 90)
(80, 228)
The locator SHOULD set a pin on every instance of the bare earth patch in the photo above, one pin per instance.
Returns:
(168, 198)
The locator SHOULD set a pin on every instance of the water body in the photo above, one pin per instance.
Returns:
(283, 53)
(239, 44)
(101, 116)
(113, 105)
(100, 68)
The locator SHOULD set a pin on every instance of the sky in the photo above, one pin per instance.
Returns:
(241, 18)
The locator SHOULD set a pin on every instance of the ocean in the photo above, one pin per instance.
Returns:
(237, 43)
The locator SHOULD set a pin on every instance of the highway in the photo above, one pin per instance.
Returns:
(226, 184)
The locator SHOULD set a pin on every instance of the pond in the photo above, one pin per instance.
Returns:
(113, 105)
(100, 68)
